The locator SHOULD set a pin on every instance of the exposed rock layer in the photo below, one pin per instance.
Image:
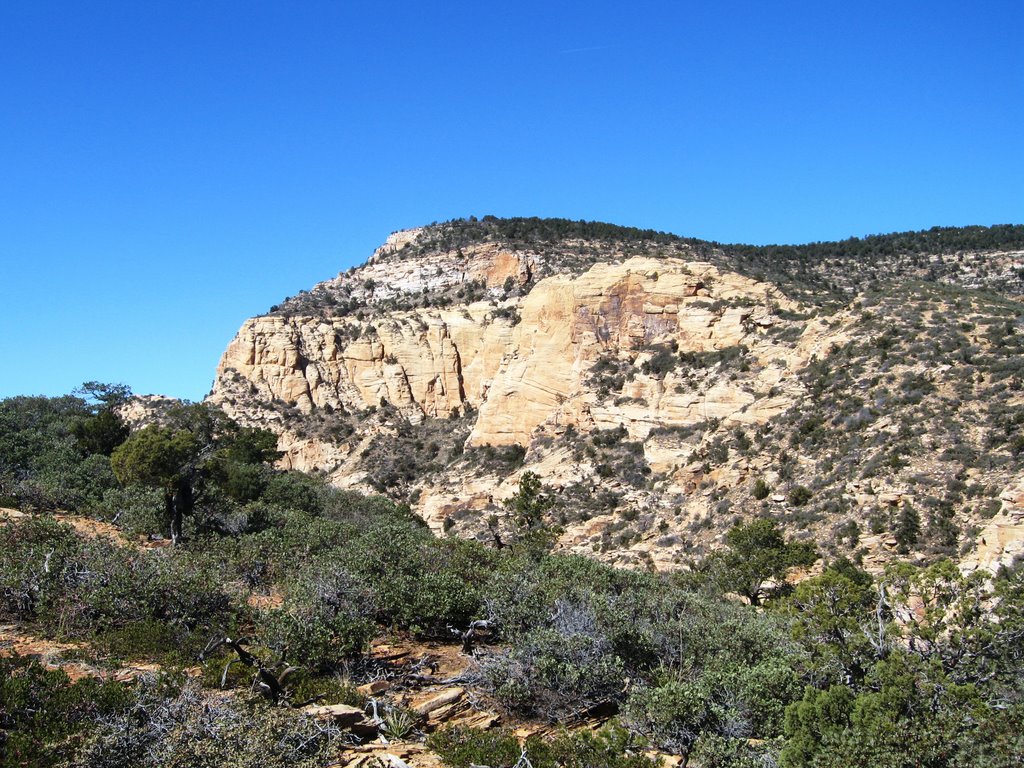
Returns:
(429, 362)
(635, 385)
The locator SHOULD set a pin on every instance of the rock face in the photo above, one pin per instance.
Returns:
(647, 385)
(430, 362)
(426, 363)
(514, 366)
(568, 323)
(1001, 541)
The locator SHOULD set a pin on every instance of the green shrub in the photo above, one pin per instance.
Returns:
(54, 451)
(144, 639)
(466, 747)
(555, 672)
(44, 717)
(174, 724)
(419, 581)
(244, 482)
(715, 751)
(907, 528)
(610, 747)
(328, 689)
(82, 586)
(323, 620)
(723, 699)
(673, 714)
(799, 495)
(664, 360)
(33, 552)
(295, 490)
(757, 560)
(135, 509)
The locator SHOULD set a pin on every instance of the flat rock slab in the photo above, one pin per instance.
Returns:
(342, 713)
(438, 700)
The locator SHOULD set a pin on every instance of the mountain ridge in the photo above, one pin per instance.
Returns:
(429, 373)
(524, 234)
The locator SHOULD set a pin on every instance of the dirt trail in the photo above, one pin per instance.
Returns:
(51, 654)
(87, 526)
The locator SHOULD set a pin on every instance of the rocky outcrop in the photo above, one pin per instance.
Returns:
(648, 385)
(425, 362)
(430, 362)
(1000, 543)
(520, 368)
(619, 310)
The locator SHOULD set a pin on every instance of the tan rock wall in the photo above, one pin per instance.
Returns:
(568, 323)
(428, 362)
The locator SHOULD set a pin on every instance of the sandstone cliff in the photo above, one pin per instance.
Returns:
(649, 386)
(520, 377)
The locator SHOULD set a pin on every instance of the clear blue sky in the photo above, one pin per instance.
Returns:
(168, 169)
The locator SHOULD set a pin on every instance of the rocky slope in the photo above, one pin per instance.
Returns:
(869, 392)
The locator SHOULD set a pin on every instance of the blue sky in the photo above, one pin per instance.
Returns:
(169, 169)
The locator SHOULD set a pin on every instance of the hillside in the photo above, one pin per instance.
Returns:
(817, 502)
(866, 393)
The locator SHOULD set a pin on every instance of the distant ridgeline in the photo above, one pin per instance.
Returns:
(531, 231)
(819, 273)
